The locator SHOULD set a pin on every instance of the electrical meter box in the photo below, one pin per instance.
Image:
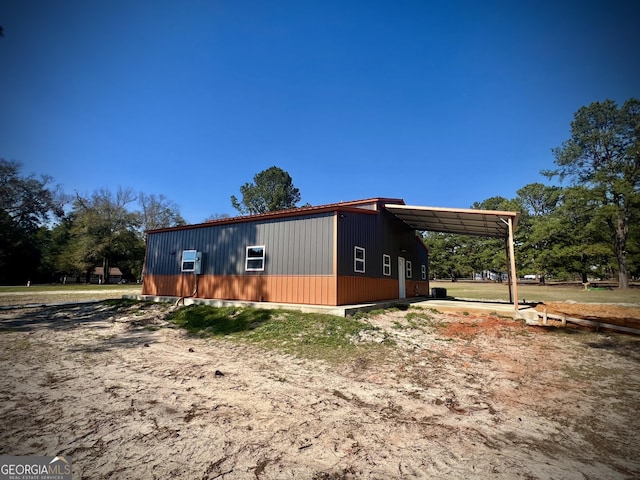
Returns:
(192, 261)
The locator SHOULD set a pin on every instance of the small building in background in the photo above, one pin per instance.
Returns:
(97, 275)
(338, 254)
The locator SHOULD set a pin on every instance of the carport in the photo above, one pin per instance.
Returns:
(464, 221)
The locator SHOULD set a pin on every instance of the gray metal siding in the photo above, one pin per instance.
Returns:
(355, 229)
(378, 235)
(293, 246)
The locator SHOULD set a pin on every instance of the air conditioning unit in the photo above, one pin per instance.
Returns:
(192, 261)
(439, 292)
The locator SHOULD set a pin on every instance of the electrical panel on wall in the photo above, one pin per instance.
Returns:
(192, 261)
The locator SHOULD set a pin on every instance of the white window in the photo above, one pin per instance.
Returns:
(188, 260)
(423, 268)
(255, 258)
(358, 260)
(386, 264)
(409, 271)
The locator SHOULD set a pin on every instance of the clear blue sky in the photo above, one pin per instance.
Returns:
(442, 103)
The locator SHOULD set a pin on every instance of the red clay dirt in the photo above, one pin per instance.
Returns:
(605, 313)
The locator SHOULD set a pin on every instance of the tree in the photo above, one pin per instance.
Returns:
(217, 216)
(563, 235)
(28, 201)
(271, 191)
(55, 259)
(158, 212)
(535, 228)
(603, 155)
(104, 231)
(581, 224)
(446, 259)
(538, 199)
(27, 204)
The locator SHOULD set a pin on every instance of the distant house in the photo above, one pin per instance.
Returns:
(97, 275)
(491, 275)
(337, 254)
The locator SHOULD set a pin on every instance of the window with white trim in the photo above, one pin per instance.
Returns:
(255, 258)
(358, 259)
(386, 264)
(409, 270)
(423, 269)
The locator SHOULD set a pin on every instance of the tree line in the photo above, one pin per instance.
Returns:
(49, 236)
(589, 228)
(42, 242)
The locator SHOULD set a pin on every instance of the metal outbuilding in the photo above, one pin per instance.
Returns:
(338, 254)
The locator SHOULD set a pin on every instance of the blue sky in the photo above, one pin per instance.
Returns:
(442, 103)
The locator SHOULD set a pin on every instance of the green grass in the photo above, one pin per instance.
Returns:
(420, 319)
(205, 320)
(44, 294)
(69, 288)
(538, 293)
(309, 335)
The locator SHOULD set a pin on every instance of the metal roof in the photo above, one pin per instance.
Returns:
(464, 221)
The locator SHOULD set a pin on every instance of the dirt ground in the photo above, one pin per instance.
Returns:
(626, 316)
(127, 395)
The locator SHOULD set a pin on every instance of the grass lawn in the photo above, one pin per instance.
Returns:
(68, 287)
(539, 293)
(38, 294)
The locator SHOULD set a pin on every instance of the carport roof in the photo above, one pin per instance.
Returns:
(486, 223)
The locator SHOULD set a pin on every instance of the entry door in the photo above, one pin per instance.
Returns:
(401, 278)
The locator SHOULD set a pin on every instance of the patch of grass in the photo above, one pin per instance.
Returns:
(421, 319)
(120, 302)
(310, 335)
(206, 320)
(399, 307)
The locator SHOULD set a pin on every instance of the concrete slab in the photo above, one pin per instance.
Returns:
(331, 310)
(443, 305)
(472, 306)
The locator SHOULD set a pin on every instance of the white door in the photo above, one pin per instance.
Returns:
(401, 279)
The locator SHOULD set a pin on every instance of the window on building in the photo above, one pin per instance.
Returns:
(188, 260)
(409, 270)
(255, 258)
(358, 260)
(423, 269)
(386, 265)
